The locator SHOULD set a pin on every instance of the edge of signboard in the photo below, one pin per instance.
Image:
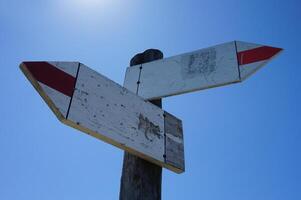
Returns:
(120, 145)
(261, 65)
(38, 88)
(193, 90)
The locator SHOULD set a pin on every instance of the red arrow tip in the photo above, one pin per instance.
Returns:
(51, 76)
(257, 54)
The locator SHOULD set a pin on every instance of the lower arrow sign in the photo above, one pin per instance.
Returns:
(90, 102)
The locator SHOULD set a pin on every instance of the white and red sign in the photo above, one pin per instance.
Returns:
(86, 100)
(206, 68)
(92, 103)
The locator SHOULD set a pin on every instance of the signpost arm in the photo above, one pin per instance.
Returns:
(140, 179)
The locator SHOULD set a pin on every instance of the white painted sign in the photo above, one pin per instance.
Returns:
(206, 68)
(90, 102)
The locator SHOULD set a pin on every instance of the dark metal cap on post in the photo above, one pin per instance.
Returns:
(147, 56)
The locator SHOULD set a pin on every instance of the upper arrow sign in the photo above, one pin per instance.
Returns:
(206, 68)
(90, 102)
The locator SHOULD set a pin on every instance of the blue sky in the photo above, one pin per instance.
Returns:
(242, 142)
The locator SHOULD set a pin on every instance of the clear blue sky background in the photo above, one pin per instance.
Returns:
(242, 142)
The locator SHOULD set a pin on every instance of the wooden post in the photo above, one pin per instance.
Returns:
(140, 179)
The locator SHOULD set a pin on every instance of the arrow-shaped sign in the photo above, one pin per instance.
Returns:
(206, 68)
(90, 102)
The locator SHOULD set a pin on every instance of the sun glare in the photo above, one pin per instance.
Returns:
(86, 14)
(90, 3)
(85, 4)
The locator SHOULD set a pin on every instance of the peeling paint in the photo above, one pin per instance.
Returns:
(150, 129)
(112, 115)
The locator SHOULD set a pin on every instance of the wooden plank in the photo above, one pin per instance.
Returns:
(205, 68)
(174, 144)
(112, 111)
(106, 110)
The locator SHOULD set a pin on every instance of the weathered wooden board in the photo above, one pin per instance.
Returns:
(206, 68)
(174, 147)
(103, 106)
(90, 102)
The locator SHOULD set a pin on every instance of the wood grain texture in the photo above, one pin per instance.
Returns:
(140, 180)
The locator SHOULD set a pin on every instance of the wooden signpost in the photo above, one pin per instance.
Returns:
(126, 117)
(141, 179)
